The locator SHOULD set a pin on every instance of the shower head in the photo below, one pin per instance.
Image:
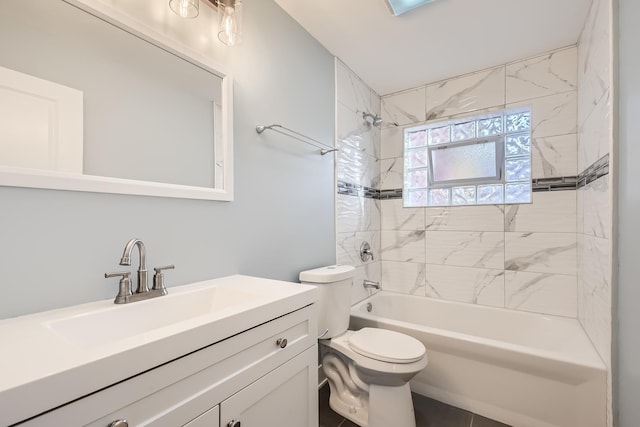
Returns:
(372, 119)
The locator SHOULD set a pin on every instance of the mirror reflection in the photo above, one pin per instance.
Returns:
(145, 113)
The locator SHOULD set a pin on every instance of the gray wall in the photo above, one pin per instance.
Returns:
(628, 373)
(55, 245)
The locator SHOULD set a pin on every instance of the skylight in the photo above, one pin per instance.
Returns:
(401, 6)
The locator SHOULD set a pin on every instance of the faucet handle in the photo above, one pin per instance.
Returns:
(124, 291)
(365, 252)
(164, 267)
(158, 278)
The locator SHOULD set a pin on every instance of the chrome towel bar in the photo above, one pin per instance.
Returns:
(324, 148)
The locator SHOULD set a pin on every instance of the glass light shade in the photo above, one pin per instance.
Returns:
(230, 21)
(401, 6)
(185, 8)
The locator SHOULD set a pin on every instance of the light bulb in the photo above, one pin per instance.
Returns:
(185, 8)
(230, 16)
(228, 27)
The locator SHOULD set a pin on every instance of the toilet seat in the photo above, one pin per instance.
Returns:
(371, 370)
(386, 346)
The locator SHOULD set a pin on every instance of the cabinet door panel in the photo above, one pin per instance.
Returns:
(287, 396)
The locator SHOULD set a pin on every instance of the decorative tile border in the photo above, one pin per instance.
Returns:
(346, 188)
(554, 184)
(396, 193)
(597, 170)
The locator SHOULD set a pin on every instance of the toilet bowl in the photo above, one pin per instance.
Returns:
(368, 370)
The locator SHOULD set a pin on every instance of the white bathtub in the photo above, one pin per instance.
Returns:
(524, 369)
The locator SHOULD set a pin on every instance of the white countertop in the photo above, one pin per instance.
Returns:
(41, 368)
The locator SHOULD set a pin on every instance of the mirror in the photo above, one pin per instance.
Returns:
(97, 98)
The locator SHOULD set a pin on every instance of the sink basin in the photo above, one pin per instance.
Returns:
(119, 322)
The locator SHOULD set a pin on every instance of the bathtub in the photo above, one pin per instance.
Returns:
(523, 369)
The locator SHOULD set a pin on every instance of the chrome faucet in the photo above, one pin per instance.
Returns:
(142, 269)
(368, 284)
(142, 292)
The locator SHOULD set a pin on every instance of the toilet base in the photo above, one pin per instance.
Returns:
(382, 406)
(391, 406)
(352, 407)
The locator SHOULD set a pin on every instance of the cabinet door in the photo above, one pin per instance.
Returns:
(287, 396)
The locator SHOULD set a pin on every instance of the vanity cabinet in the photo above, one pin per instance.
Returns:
(255, 378)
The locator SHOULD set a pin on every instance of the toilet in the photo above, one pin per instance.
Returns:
(368, 370)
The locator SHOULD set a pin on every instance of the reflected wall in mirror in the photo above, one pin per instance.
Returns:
(153, 120)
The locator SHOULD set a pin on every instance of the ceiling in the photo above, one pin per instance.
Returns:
(440, 40)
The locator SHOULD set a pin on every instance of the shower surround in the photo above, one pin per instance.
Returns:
(357, 176)
(521, 257)
(596, 143)
(552, 256)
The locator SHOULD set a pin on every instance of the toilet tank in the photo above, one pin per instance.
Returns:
(334, 297)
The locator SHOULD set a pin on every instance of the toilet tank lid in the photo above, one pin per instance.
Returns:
(332, 273)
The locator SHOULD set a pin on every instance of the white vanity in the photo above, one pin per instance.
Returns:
(237, 351)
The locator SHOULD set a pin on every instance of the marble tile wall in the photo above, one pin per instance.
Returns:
(521, 257)
(552, 256)
(594, 207)
(357, 217)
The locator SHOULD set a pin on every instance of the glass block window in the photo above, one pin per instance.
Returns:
(469, 161)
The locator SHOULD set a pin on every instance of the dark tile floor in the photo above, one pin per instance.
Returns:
(429, 413)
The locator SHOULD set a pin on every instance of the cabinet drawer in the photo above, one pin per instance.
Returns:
(177, 392)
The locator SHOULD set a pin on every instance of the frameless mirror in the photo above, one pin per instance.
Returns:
(94, 99)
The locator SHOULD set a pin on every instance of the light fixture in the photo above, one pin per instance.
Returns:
(229, 16)
(401, 6)
(185, 8)
(230, 21)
